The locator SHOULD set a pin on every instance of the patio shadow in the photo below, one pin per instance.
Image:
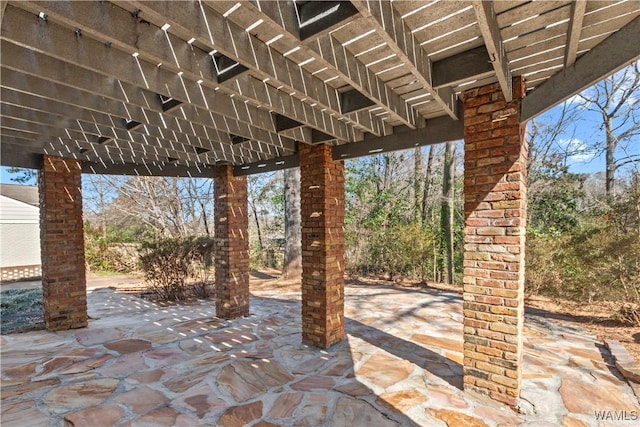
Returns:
(438, 365)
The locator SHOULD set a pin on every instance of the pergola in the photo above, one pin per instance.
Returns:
(225, 89)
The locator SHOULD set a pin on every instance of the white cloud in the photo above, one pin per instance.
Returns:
(576, 149)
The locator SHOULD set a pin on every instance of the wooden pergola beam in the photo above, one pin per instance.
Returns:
(615, 52)
(403, 43)
(137, 149)
(116, 26)
(27, 84)
(54, 70)
(578, 8)
(91, 132)
(211, 29)
(486, 16)
(324, 49)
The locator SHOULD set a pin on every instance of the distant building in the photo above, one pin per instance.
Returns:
(19, 232)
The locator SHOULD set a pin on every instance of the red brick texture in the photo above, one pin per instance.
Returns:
(64, 285)
(231, 243)
(495, 216)
(322, 210)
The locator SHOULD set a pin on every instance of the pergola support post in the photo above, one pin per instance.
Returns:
(64, 285)
(495, 217)
(322, 212)
(231, 251)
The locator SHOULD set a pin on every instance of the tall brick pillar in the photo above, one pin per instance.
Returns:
(322, 211)
(64, 286)
(231, 243)
(495, 216)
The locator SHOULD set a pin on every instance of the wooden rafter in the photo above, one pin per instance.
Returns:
(211, 29)
(578, 8)
(493, 41)
(614, 53)
(403, 43)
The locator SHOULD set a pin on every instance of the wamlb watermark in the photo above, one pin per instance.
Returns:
(616, 415)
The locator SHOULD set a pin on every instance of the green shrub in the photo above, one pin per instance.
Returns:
(599, 262)
(173, 266)
(401, 250)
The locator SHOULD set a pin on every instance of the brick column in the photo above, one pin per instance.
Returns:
(231, 243)
(495, 216)
(322, 211)
(64, 287)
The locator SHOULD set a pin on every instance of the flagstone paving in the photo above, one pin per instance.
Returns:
(142, 364)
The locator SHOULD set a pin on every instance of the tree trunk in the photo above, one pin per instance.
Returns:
(610, 163)
(446, 215)
(292, 268)
(256, 218)
(427, 187)
(417, 184)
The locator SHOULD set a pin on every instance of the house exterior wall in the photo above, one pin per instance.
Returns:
(19, 240)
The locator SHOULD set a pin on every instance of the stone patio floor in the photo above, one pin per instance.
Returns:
(140, 364)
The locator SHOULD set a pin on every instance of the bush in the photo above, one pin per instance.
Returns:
(597, 263)
(172, 266)
(110, 250)
(404, 250)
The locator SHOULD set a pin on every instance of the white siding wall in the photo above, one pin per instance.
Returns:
(19, 233)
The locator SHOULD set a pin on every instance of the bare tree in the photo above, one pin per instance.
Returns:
(616, 100)
(426, 188)
(447, 208)
(292, 267)
(549, 142)
(173, 207)
(417, 184)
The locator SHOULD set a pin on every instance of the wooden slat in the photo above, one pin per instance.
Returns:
(540, 61)
(93, 103)
(536, 24)
(55, 70)
(556, 62)
(503, 6)
(609, 56)
(453, 23)
(556, 43)
(209, 27)
(527, 10)
(537, 38)
(397, 33)
(578, 8)
(495, 47)
(452, 39)
(618, 9)
(455, 50)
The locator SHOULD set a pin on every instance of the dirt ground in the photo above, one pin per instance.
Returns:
(595, 318)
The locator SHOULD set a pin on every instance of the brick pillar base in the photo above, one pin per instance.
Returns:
(64, 286)
(231, 244)
(322, 210)
(495, 216)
